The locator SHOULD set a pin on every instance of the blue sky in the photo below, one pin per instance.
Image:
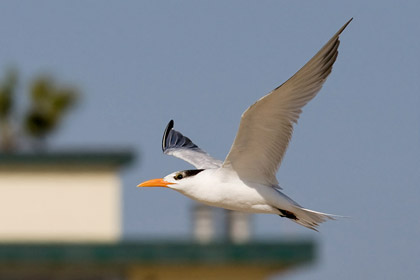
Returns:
(355, 151)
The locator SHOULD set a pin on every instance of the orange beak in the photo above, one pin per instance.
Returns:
(155, 183)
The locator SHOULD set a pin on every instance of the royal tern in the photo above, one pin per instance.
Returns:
(246, 180)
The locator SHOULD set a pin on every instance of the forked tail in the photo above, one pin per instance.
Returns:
(308, 218)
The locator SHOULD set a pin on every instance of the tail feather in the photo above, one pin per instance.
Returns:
(311, 219)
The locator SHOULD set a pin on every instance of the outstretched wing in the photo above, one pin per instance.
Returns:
(180, 146)
(266, 127)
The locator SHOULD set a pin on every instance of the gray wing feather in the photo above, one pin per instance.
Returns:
(180, 146)
(266, 127)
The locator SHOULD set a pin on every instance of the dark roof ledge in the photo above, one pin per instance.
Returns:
(113, 158)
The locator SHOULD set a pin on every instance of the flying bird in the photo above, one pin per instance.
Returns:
(246, 180)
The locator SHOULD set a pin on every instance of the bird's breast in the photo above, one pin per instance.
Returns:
(234, 195)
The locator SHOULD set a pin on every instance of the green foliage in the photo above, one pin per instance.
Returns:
(7, 90)
(7, 95)
(48, 105)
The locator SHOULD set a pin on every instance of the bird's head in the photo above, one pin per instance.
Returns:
(174, 180)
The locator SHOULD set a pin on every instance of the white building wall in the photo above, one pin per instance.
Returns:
(60, 205)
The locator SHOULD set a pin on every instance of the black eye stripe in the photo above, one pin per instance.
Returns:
(192, 172)
(187, 173)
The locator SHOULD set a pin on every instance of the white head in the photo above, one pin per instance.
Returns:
(177, 180)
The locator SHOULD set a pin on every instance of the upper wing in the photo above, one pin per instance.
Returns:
(180, 146)
(266, 127)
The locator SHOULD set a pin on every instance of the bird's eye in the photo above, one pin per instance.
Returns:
(178, 176)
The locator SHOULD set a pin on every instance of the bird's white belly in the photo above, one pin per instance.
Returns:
(239, 197)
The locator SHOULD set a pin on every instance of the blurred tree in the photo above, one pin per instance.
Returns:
(47, 107)
(7, 97)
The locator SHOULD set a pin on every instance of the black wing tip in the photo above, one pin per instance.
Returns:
(168, 128)
(171, 124)
(347, 23)
(344, 27)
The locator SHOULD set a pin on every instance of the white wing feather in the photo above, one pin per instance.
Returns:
(266, 127)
